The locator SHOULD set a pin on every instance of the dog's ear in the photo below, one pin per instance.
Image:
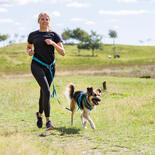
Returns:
(98, 91)
(90, 90)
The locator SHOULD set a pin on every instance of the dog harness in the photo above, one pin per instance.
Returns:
(83, 94)
(50, 70)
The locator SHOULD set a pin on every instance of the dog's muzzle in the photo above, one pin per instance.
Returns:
(96, 100)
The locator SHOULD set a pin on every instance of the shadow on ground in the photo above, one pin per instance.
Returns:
(63, 131)
(67, 131)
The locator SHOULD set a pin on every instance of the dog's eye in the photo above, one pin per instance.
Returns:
(95, 95)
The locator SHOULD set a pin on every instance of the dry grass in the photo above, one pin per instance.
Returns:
(124, 119)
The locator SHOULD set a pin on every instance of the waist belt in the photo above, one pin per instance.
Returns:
(49, 67)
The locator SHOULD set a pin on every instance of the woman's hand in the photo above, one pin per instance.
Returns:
(59, 47)
(30, 51)
(49, 42)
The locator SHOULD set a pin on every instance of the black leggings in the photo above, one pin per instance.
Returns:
(43, 77)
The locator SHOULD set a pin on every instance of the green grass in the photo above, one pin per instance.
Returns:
(14, 58)
(125, 119)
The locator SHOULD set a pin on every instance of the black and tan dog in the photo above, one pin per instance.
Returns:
(86, 101)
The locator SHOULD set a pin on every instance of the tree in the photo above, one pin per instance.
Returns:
(93, 42)
(4, 37)
(82, 46)
(85, 41)
(80, 35)
(113, 35)
(67, 35)
(77, 34)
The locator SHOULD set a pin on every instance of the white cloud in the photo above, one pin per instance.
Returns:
(55, 13)
(134, 1)
(17, 23)
(9, 20)
(125, 12)
(20, 2)
(77, 19)
(23, 2)
(60, 25)
(113, 20)
(116, 27)
(127, 1)
(78, 5)
(35, 16)
(90, 23)
(145, 0)
(6, 5)
(3, 10)
(21, 28)
(85, 21)
(6, 20)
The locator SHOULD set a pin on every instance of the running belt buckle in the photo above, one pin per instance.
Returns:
(48, 67)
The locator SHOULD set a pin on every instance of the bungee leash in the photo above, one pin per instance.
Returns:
(50, 70)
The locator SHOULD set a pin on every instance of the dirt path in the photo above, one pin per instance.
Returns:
(119, 71)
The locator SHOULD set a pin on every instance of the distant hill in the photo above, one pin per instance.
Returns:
(15, 60)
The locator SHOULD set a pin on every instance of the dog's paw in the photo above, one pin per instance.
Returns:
(93, 127)
(84, 127)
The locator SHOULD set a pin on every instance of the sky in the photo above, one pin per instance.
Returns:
(133, 20)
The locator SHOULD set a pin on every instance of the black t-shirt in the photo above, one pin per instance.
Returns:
(42, 51)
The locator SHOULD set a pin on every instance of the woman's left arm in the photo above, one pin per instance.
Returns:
(59, 46)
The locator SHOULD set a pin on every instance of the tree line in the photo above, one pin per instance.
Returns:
(84, 40)
(10, 40)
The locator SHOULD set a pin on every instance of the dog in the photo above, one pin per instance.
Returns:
(86, 101)
(117, 56)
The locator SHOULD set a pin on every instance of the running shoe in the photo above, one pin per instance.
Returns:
(39, 120)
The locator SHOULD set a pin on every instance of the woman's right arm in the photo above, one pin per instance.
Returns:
(29, 49)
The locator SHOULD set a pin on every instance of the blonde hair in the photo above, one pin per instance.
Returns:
(44, 13)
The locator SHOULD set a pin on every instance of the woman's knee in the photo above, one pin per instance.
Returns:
(46, 92)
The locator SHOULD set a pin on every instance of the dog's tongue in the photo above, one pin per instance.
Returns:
(96, 101)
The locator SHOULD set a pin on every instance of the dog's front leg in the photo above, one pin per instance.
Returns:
(91, 122)
(84, 121)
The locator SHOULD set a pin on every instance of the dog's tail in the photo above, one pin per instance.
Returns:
(69, 92)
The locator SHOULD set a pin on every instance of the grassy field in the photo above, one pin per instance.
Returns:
(125, 119)
(14, 59)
